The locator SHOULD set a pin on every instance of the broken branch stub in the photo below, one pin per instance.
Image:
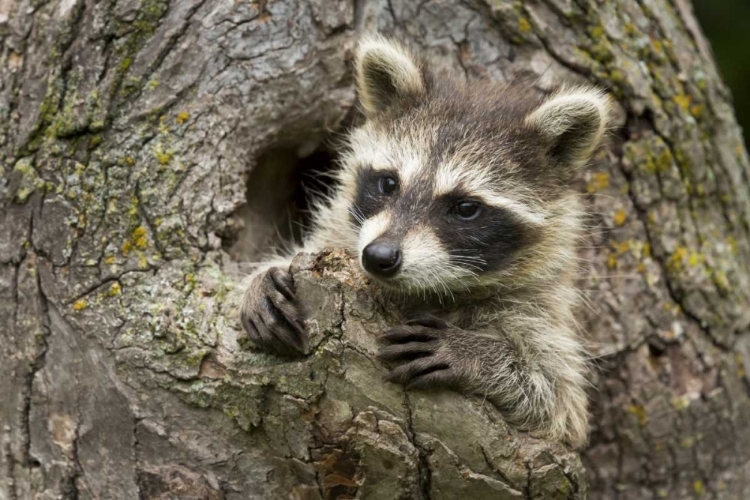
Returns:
(370, 438)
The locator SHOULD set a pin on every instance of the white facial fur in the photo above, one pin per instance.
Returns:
(372, 229)
(571, 124)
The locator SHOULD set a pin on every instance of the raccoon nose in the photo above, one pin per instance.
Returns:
(381, 259)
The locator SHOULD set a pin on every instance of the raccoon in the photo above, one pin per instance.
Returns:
(457, 194)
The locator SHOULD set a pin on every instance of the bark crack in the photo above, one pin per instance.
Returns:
(10, 461)
(36, 364)
(423, 464)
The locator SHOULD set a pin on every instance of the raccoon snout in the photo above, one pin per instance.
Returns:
(381, 259)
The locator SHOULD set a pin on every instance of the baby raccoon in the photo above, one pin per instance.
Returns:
(458, 195)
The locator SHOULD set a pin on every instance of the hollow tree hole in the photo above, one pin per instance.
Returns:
(280, 191)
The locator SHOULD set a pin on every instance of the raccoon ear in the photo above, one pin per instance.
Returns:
(387, 74)
(573, 122)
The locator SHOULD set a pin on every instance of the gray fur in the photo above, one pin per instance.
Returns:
(494, 293)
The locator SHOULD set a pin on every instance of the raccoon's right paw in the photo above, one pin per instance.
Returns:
(271, 316)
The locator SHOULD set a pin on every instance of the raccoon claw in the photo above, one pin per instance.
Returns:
(423, 373)
(271, 316)
(420, 354)
(408, 351)
(410, 333)
(428, 321)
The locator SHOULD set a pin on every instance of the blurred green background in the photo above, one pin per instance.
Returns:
(726, 23)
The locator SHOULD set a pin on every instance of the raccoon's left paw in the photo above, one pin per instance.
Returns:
(421, 354)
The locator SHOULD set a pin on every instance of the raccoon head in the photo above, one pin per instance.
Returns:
(452, 184)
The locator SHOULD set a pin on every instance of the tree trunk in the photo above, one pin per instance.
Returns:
(137, 137)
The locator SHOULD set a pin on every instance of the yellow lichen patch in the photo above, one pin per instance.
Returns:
(109, 260)
(683, 101)
(597, 31)
(612, 261)
(114, 290)
(680, 403)
(621, 248)
(620, 217)
(697, 110)
(129, 161)
(664, 161)
(133, 210)
(721, 280)
(733, 245)
(163, 156)
(687, 442)
(598, 182)
(127, 247)
(23, 194)
(696, 258)
(646, 251)
(80, 305)
(524, 25)
(640, 413)
(617, 76)
(675, 261)
(699, 488)
(183, 117)
(139, 237)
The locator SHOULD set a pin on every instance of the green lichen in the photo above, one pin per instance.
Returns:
(241, 402)
(30, 180)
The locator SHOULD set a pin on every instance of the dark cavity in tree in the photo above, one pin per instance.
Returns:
(281, 191)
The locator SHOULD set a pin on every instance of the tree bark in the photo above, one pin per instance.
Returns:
(128, 132)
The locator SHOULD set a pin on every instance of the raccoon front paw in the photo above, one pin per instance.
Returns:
(421, 354)
(271, 316)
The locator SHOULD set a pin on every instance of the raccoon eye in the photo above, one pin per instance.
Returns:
(387, 184)
(467, 210)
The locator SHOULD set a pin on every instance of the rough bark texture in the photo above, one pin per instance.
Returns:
(127, 132)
